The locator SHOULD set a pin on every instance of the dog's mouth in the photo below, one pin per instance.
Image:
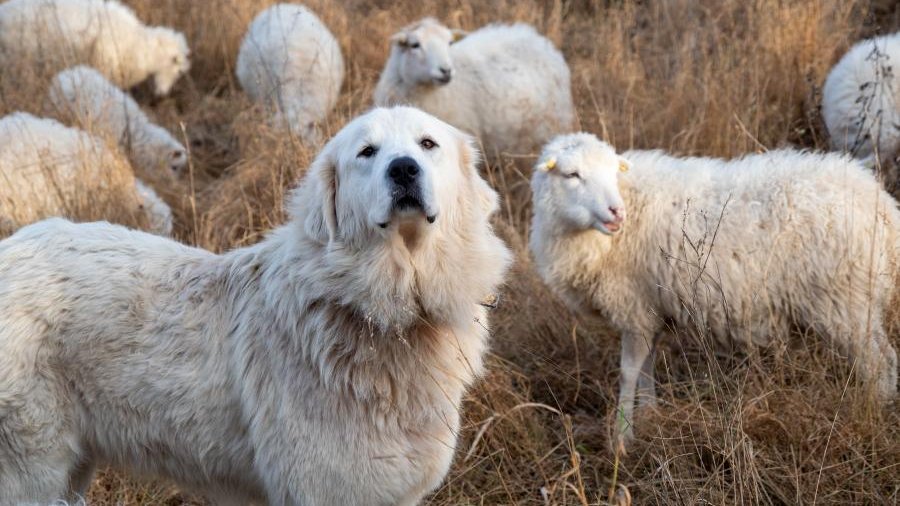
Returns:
(408, 204)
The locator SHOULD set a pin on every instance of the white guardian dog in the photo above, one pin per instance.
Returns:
(323, 366)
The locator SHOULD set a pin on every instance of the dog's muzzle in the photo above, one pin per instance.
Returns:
(405, 177)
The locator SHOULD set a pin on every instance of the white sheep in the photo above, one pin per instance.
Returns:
(506, 84)
(740, 249)
(48, 169)
(83, 97)
(291, 62)
(101, 33)
(861, 103)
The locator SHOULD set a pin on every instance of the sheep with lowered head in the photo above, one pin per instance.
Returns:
(101, 33)
(785, 237)
(290, 62)
(48, 169)
(861, 104)
(83, 97)
(506, 84)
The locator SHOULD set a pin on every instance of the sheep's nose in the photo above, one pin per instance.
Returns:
(403, 171)
(618, 213)
(446, 71)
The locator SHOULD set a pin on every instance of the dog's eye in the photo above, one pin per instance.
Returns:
(367, 152)
(572, 175)
(427, 143)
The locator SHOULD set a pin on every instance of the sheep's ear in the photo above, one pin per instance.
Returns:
(458, 35)
(401, 39)
(547, 165)
(321, 187)
(624, 165)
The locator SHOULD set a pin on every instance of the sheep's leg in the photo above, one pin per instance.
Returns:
(861, 337)
(636, 350)
(646, 384)
(875, 359)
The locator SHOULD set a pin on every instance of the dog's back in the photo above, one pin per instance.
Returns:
(100, 362)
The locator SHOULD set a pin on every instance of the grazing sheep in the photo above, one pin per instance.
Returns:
(741, 248)
(103, 34)
(861, 104)
(82, 96)
(290, 62)
(48, 169)
(506, 84)
(324, 365)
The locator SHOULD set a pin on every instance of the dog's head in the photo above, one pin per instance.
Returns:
(389, 170)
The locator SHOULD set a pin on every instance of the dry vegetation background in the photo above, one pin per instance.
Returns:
(712, 77)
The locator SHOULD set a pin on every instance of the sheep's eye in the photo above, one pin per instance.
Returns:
(572, 175)
(427, 143)
(414, 45)
(174, 59)
(367, 152)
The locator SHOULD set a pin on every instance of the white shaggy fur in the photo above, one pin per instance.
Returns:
(82, 96)
(323, 366)
(46, 166)
(804, 238)
(861, 103)
(506, 84)
(101, 33)
(291, 62)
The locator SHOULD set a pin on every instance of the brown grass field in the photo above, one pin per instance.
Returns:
(710, 77)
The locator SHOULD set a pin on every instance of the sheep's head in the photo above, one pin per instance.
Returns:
(170, 56)
(424, 52)
(575, 184)
(155, 150)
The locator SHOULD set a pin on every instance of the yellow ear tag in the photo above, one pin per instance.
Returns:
(623, 166)
(550, 164)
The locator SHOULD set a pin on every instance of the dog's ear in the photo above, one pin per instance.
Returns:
(485, 196)
(320, 195)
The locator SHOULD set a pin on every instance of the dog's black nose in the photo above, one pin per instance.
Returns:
(403, 171)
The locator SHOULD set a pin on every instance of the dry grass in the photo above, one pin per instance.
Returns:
(712, 77)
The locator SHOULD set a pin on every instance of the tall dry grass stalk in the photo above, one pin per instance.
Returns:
(710, 77)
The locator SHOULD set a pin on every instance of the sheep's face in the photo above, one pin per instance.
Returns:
(424, 52)
(575, 184)
(171, 58)
(394, 170)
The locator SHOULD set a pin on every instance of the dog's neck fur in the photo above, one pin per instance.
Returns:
(423, 334)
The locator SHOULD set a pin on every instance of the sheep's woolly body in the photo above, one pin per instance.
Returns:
(48, 169)
(104, 34)
(82, 96)
(291, 62)
(861, 103)
(511, 88)
(743, 248)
